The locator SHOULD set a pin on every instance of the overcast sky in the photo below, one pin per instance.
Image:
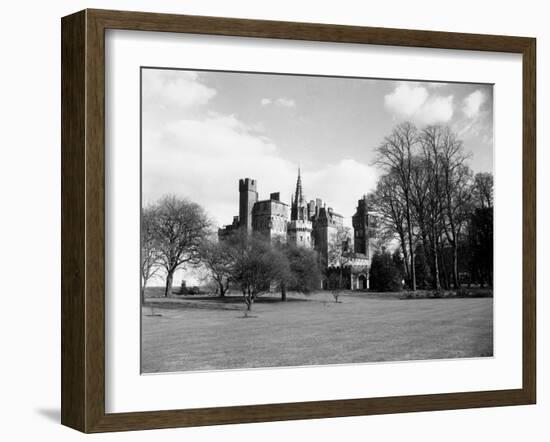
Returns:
(202, 131)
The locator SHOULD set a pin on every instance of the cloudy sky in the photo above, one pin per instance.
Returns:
(202, 131)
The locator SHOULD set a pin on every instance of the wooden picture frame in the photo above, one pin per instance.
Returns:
(83, 220)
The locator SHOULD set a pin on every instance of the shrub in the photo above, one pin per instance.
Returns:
(385, 276)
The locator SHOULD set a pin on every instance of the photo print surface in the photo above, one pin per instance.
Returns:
(294, 220)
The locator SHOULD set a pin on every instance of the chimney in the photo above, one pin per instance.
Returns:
(276, 196)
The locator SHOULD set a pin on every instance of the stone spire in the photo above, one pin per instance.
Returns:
(299, 205)
(299, 194)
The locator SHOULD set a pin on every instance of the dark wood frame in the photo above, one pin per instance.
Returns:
(83, 217)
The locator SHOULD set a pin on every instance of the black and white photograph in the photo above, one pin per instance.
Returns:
(294, 220)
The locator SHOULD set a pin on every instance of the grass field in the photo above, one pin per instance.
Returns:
(204, 333)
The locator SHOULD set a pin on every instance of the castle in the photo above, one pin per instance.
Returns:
(311, 225)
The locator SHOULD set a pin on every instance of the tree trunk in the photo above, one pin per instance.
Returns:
(456, 279)
(283, 291)
(405, 257)
(444, 273)
(169, 279)
(143, 294)
(248, 300)
(411, 250)
(437, 283)
(222, 289)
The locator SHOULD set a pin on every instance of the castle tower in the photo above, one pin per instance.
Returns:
(300, 226)
(248, 196)
(360, 222)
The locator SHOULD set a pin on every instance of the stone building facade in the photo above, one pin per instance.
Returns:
(313, 225)
(270, 218)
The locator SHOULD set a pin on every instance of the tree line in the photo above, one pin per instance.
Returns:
(431, 203)
(177, 233)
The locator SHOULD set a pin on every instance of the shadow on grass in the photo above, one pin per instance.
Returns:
(212, 302)
(236, 299)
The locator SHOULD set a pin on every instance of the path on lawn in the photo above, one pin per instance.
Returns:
(207, 335)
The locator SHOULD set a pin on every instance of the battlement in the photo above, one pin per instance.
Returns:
(362, 204)
(247, 184)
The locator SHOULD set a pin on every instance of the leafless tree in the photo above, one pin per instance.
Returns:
(179, 229)
(430, 140)
(150, 258)
(421, 181)
(426, 195)
(219, 259)
(446, 162)
(258, 265)
(339, 255)
(457, 209)
(482, 190)
(396, 154)
(387, 202)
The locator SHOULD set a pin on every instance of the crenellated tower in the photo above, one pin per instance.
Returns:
(363, 226)
(248, 195)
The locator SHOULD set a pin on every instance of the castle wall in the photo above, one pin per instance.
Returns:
(270, 218)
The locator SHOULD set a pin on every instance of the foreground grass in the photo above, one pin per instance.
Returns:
(207, 334)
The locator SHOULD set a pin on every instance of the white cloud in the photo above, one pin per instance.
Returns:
(415, 103)
(282, 101)
(286, 102)
(473, 102)
(179, 89)
(203, 160)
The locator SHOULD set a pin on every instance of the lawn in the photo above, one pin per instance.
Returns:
(204, 333)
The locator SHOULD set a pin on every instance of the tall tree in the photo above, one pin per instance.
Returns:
(480, 230)
(258, 265)
(482, 190)
(385, 275)
(179, 229)
(456, 191)
(219, 259)
(430, 140)
(420, 199)
(304, 274)
(396, 155)
(387, 202)
(150, 258)
(339, 254)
